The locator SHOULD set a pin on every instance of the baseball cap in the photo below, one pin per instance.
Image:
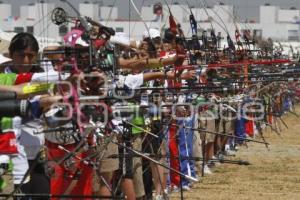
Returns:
(152, 33)
(4, 59)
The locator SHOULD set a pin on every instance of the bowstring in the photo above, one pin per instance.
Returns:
(110, 13)
(135, 22)
(216, 14)
(210, 18)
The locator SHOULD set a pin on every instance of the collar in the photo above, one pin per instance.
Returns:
(7, 70)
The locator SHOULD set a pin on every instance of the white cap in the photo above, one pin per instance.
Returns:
(4, 59)
(120, 38)
(121, 34)
(152, 32)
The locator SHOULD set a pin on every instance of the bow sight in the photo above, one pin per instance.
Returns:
(94, 29)
(93, 33)
(59, 16)
(103, 59)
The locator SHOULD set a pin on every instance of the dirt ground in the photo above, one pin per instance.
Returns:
(272, 175)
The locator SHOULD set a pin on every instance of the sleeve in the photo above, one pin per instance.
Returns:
(50, 76)
(119, 39)
(134, 81)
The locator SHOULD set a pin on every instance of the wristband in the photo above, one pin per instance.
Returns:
(40, 87)
(167, 69)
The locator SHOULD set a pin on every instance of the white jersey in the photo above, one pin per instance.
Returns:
(131, 81)
(28, 144)
(20, 163)
(31, 141)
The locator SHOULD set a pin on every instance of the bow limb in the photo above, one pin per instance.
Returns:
(172, 22)
(140, 15)
(152, 49)
(192, 19)
(81, 19)
(110, 13)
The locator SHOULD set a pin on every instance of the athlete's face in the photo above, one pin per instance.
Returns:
(23, 60)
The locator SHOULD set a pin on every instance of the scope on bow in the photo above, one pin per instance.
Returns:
(92, 30)
(59, 16)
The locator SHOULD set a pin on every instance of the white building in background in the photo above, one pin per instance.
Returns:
(34, 18)
(273, 22)
(108, 13)
(89, 10)
(5, 10)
